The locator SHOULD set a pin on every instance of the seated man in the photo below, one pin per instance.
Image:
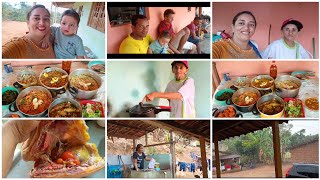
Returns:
(195, 27)
(139, 40)
(178, 42)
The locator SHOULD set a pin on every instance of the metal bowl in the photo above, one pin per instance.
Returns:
(267, 98)
(53, 69)
(62, 100)
(241, 82)
(79, 93)
(287, 93)
(262, 77)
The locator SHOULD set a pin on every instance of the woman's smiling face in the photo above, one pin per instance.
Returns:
(244, 27)
(180, 71)
(39, 22)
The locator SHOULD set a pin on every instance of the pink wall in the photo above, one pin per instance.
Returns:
(117, 34)
(263, 67)
(271, 13)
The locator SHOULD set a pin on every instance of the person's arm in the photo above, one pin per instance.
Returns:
(165, 95)
(174, 49)
(135, 162)
(170, 51)
(150, 51)
(46, 40)
(14, 132)
(81, 53)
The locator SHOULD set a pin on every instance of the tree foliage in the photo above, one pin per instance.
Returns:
(257, 147)
(15, 13)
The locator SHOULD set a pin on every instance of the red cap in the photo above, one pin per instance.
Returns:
(184, 62)
(292, 21)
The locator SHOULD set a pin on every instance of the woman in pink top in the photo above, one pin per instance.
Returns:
(180, 92)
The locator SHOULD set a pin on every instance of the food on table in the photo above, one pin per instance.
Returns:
(230, 112)
(224, 96)
(246, 99)
(287, 84)
(92, 110)
(28, 79)
(263, 83)
(54, 79)
(84, 82)
(65, 109)
(35, 102)
(98, 68)
(312, 103)
(9, 96)
(242, 82)
(293, 108)
(270, 107)
(60, 149)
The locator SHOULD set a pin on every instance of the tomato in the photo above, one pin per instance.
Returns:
(59, 161)
(66, 155)
(76, 162)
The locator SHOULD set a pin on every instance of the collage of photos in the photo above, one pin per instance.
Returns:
(175, 90)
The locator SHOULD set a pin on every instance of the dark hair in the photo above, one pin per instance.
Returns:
(167, 12)
(165, 34)
(35, 7)
(243, 12)
(71, 13)
(135, 18)
(197, 18)
(138, 146)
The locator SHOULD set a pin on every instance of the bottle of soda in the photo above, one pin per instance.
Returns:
(273, 70)
(66, 65)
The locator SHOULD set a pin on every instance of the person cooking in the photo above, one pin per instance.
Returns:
(180, 92)
(139, 157)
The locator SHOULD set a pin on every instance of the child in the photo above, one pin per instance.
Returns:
(160, 46)
(67, 44)
(180, 92)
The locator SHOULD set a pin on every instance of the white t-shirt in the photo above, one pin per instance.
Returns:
(183, 108)
(280, 50)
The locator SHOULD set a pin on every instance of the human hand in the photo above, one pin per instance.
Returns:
(21, 129)
(149, 97)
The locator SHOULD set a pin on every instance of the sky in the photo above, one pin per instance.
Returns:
(312, 127)
(45, 3)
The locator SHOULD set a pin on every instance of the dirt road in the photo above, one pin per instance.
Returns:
(259, 172)
(12, 29)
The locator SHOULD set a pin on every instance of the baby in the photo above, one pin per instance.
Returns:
(160, 46)
(67, 44)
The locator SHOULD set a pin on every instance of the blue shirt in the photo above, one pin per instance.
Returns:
(156, 48)
(67, 47)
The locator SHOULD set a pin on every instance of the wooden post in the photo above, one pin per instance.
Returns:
(276, 148)
(203, 157)
(146, 138)
(216, 153)
(173, 154)
(134, 145)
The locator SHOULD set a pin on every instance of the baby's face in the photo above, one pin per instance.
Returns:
(68, 25)
(164, 41)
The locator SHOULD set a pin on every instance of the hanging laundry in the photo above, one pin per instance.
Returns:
(183, 166)
(193, 167)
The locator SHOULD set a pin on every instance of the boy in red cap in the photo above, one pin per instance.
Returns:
(287, 47)
(180, 92)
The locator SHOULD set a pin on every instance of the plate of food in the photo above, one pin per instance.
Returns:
(92, 109)
(312, 103)
(293, 108)
(97, 66)
(303, 75)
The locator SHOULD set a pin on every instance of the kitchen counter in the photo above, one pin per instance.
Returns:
(9, 78)
(21, 169)
(309, 88)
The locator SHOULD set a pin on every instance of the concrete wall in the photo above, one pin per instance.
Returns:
(308, 153)
(91, 37)
(273, 13)
(129, 82)
(155, 14)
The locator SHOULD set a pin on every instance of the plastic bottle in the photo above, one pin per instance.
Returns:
(273, 70)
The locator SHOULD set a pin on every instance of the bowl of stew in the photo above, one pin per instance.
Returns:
(54, 79)
(223, 95)
(9, 96)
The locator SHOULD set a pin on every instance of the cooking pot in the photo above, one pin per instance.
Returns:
(54, 90)
(62, 100)
(241, 82)
(262, 77)
(147, 110)
(216, 111)
(82, 94)
(248, 108)
(18, 84)
(287, 93)
(267, 98)
(25, 92)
